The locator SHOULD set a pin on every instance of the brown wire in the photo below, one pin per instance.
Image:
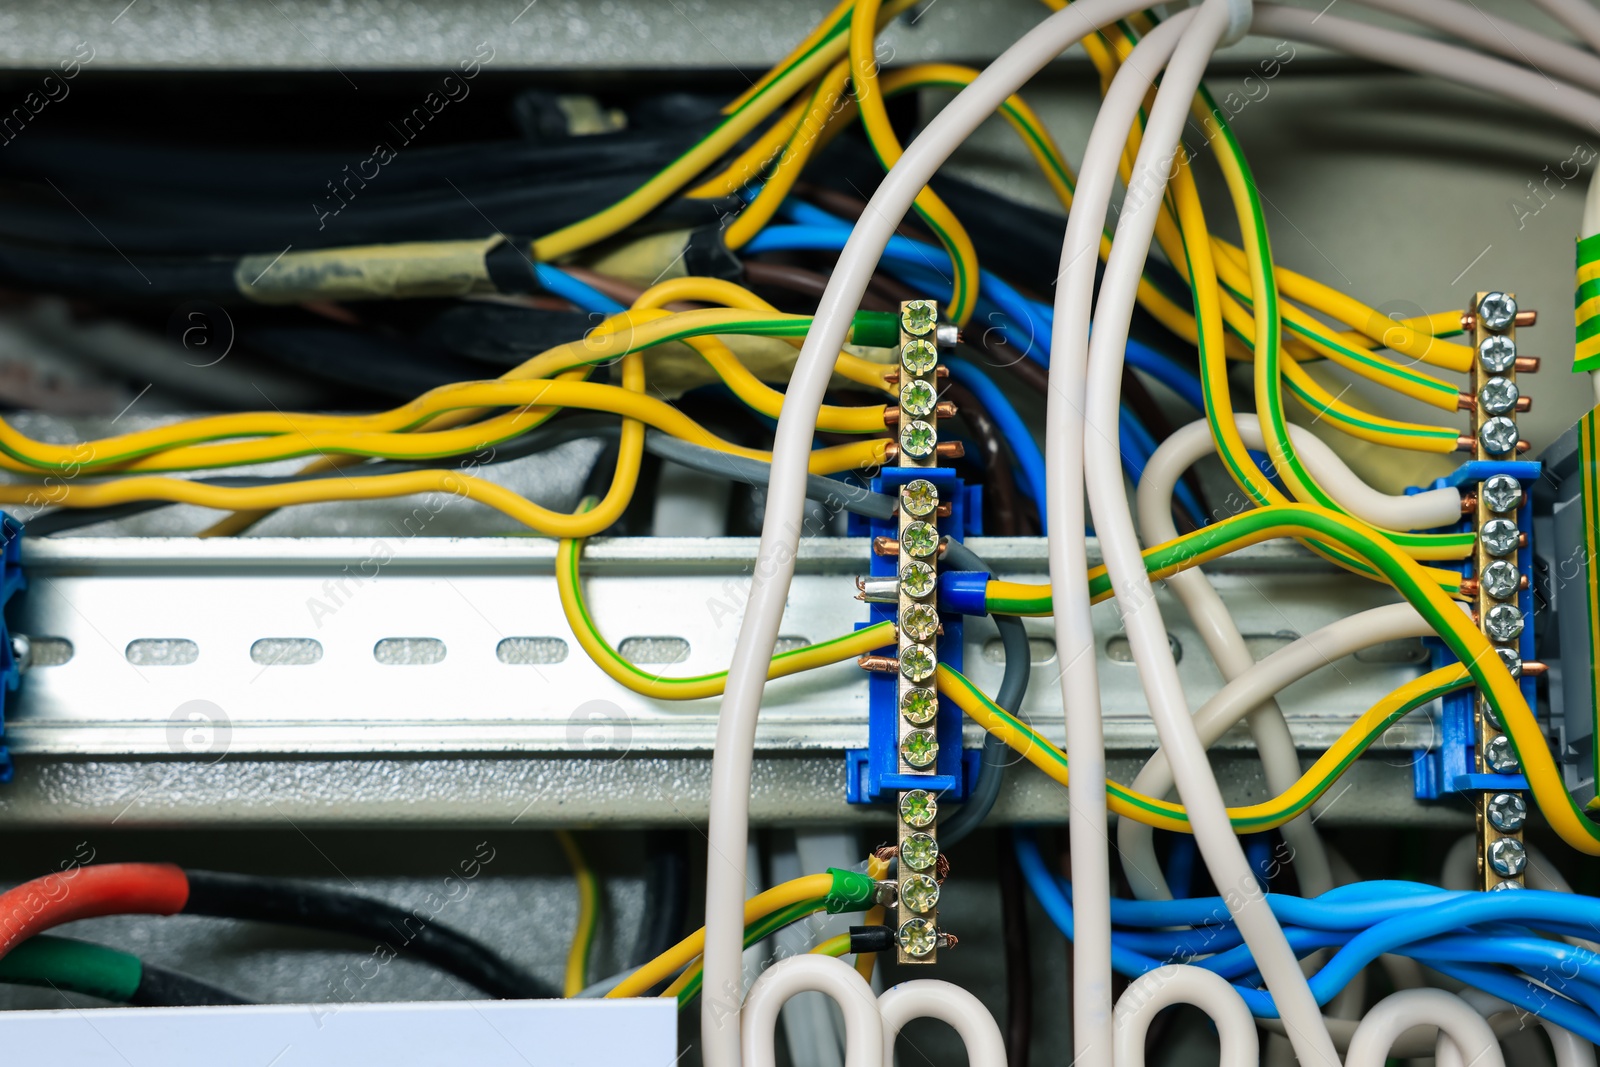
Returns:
(850, 207)
(617, 289)
(804, 282)
(999, 484)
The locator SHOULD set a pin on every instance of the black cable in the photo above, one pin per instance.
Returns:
(1019, 960)
(165, 202)
(288, 903)
(666, 894)
(161, 988)
(1013, 685)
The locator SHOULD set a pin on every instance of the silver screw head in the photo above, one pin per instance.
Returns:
(22, 651)
(1498, 395)
(1508, 857)
(1500, 756)
(1497, 311)
(1506, 812)
(1501, 492)
(1497, 354)
(1511, 659)
(1498, 435)
(1499, 537)
(1503, 623)
(1508, 884)
(1500, 579)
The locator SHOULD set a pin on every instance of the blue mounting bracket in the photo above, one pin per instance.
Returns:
(872, 774)
(1451, 767)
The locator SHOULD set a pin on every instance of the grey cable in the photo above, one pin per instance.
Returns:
(1013, 685)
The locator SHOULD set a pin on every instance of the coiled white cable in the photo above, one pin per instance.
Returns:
(925, 999)
(758, 1023)
(1570, 1049)
(773, 569)
(1399, 1012)
(1163, 987)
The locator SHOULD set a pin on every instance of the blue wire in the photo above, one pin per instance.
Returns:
(1138, 445)
(1413, 903)
(1037, 317)
(558, 282)
(1016, 432)
(1181, 380)
(1258, 848)
(1180, 864)
(1523, 993)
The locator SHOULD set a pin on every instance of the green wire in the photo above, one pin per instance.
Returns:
(759, 930)
(73, 966)
(1242, 824)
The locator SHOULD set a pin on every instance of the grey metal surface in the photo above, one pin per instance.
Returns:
(239, 793)
(363, 35)
(409, 648)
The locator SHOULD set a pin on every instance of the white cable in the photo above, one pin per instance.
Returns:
(1410, 52)
(1279, 757)
(1470, 23)
(929, 999)
(1147, 635)
(1570, 1049)
(1173, 984)
(1284, 667)
(758, 1023)
(1460, 868)
(1395, 1014)
(1579, 16)
(1419, 511)
(1074, 628)
(1190, 443)
(774, 564)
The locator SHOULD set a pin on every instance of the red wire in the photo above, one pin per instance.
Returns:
(87, 892)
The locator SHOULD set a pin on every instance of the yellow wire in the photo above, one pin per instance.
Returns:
(729, 295)
(384, 486)
(673, 177)
(1165, 815)
(638, 328)
(801, 145)
(881, 135)
(609, 660)
(877, 870)
(588, 916)
(679, 956)
(808, 42)
(838, 945)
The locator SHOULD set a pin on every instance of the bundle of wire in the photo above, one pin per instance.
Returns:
(1236, 956)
